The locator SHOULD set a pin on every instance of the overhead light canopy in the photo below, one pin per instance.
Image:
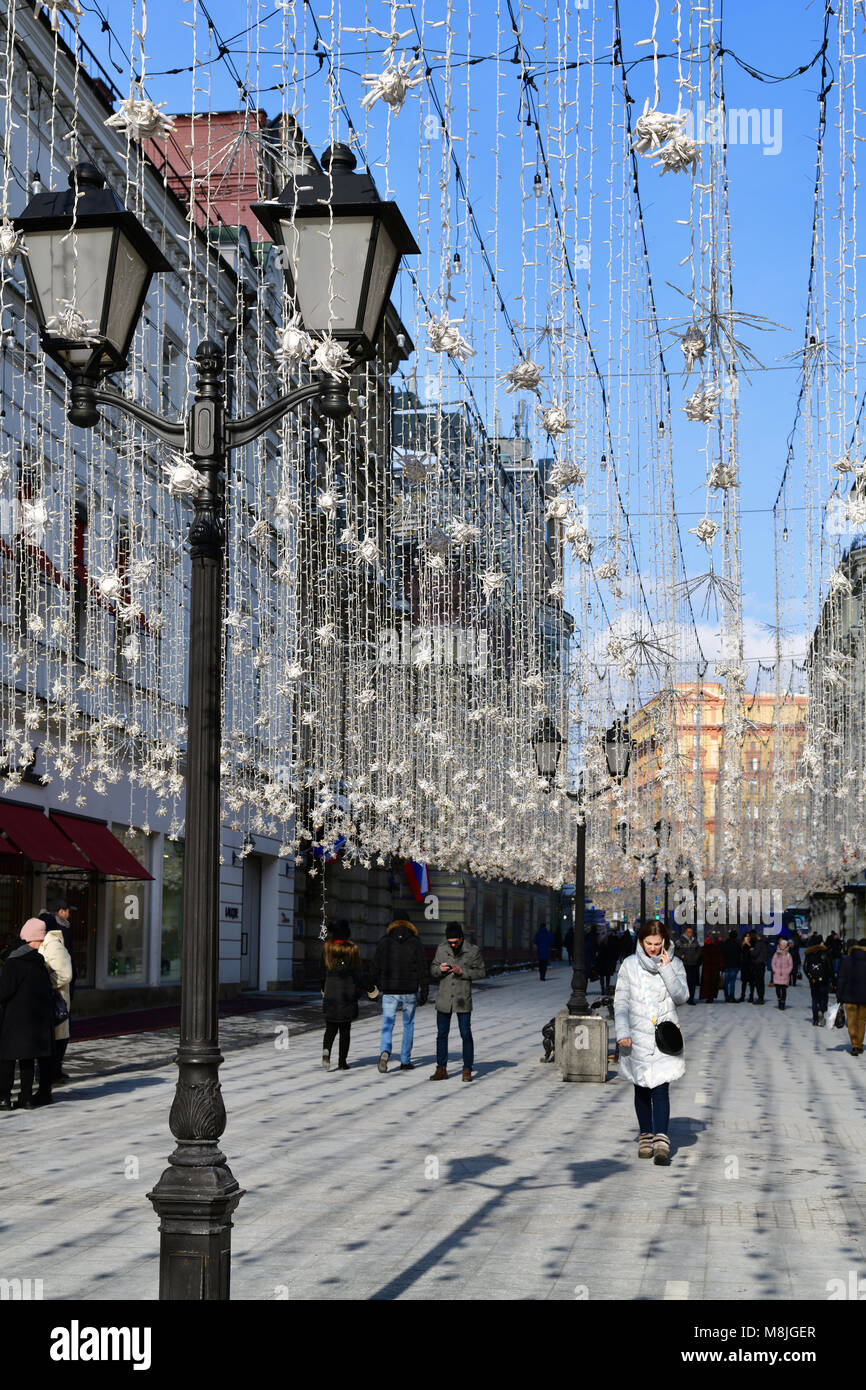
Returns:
(547, 746)
(89, 264)
(617, 749)
(341, 247)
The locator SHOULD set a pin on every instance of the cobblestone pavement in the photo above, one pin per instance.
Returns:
(369, 1186)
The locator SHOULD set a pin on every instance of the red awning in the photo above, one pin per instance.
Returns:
(97, 842)
(35, 835)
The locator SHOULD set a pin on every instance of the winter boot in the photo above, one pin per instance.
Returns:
(326, 1060)
(645, 1146)
(440, 1074)
(661, 1149)
(383, 1061)
(467, 1074)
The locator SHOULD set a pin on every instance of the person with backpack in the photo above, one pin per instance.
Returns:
(851, 991)
(689, 950)
(782, 970)
(400, 972)
(819, 972)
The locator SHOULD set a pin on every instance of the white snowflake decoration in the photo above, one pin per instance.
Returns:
(701, 404)
(558, 509)
(608, 570)
(139, 570)
(332, 358)
(294, 671)
(184, 479)
(366, 697)
(706, 531)
(329, 503)
(525, 376)
(415, 467)
(32, 518)
(463, 532)
(285, 508)
(840, 583)
(554, 419)
(296, 345)
(855, 512)
(844, 465)
(57, 7)
(445, 336)
(110, 585)
(131, 650)
(566, 473)
(393, 85)
(556, 589)
(679, 154)
(693, 345)
(11, 243)
(722, 476)
(615, 648)
(367, 551)
(141, 119)
(492, 582)
(653, 128)
(438, 542)
(327, 633)
(69, 322)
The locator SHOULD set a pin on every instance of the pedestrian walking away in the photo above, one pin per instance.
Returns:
(401, 975)
(711, 968)
(689, 950)
(650, 985)
(26, 1021)
(455, 965)
(731, 964)
(819, 972)
(607, 961)
(851, 991)
(344, 984)
(568, 943)
(760, 953)
(53, 951)
(782, 970)
(543, 947)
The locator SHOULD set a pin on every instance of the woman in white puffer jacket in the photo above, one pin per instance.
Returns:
(650, 985)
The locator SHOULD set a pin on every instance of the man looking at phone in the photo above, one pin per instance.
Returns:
(455, 965)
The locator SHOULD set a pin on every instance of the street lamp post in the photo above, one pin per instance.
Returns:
(547, 746)
(88, 267)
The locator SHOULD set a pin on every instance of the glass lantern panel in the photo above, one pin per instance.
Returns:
(385, 257)
(71, 267)
(130, 277)
(327, 264)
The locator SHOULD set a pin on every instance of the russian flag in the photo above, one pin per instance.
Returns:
(418, 878)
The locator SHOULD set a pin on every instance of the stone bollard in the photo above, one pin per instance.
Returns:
(581, 1046)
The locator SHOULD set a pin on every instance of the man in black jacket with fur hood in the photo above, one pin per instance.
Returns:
(402, 975)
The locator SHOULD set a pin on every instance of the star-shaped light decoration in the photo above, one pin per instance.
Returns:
(723, 476)
(445, 336)
(706, 531)
(525, 376)
(701, 404)
(332, 358)
(393, 85)
(653, 128)
(184, 479)
(141, 119)
(69, 322)
(693, 345)
(11, 243)
(679, 154)
(329, 503)
(566, 473)
(463, 532)
(492, 582)
(554, 419)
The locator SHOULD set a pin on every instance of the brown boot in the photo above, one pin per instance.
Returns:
(440, 1074)
(467, 1074)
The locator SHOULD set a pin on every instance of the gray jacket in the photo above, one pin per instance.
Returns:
(455, 991)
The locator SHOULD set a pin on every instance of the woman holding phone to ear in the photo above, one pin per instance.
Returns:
(650, 985)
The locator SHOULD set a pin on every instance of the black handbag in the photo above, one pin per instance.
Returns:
(61, 1012)
(839, 1020)
(669, 1039)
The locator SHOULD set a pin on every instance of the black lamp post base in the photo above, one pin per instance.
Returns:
(195, 1206)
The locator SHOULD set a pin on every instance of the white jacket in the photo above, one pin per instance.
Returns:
(59, 963)
(646, 990)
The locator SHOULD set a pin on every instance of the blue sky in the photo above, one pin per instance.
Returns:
(770, 195)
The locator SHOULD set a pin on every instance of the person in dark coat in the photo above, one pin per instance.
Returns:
(795, 956)
(344, 982)
(747, 978)
(731, 964)
(689, 950)
(568, 943)
(455, 965)
(401, 974)
(760, 956)
(818, 970)
(851, 991)
(26, 1021)
(543, 947)
(711, 968)
(590, 952)
(608, 959)
(835, 951)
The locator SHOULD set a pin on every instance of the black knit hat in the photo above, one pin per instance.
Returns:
(453, 929)
(340, 930)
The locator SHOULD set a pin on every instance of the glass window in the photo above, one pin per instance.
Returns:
(128, 905)
(172, 911)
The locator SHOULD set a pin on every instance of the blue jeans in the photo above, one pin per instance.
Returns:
(731, 973)
(443, 1027)
(653, 1106)
(390, 1005)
